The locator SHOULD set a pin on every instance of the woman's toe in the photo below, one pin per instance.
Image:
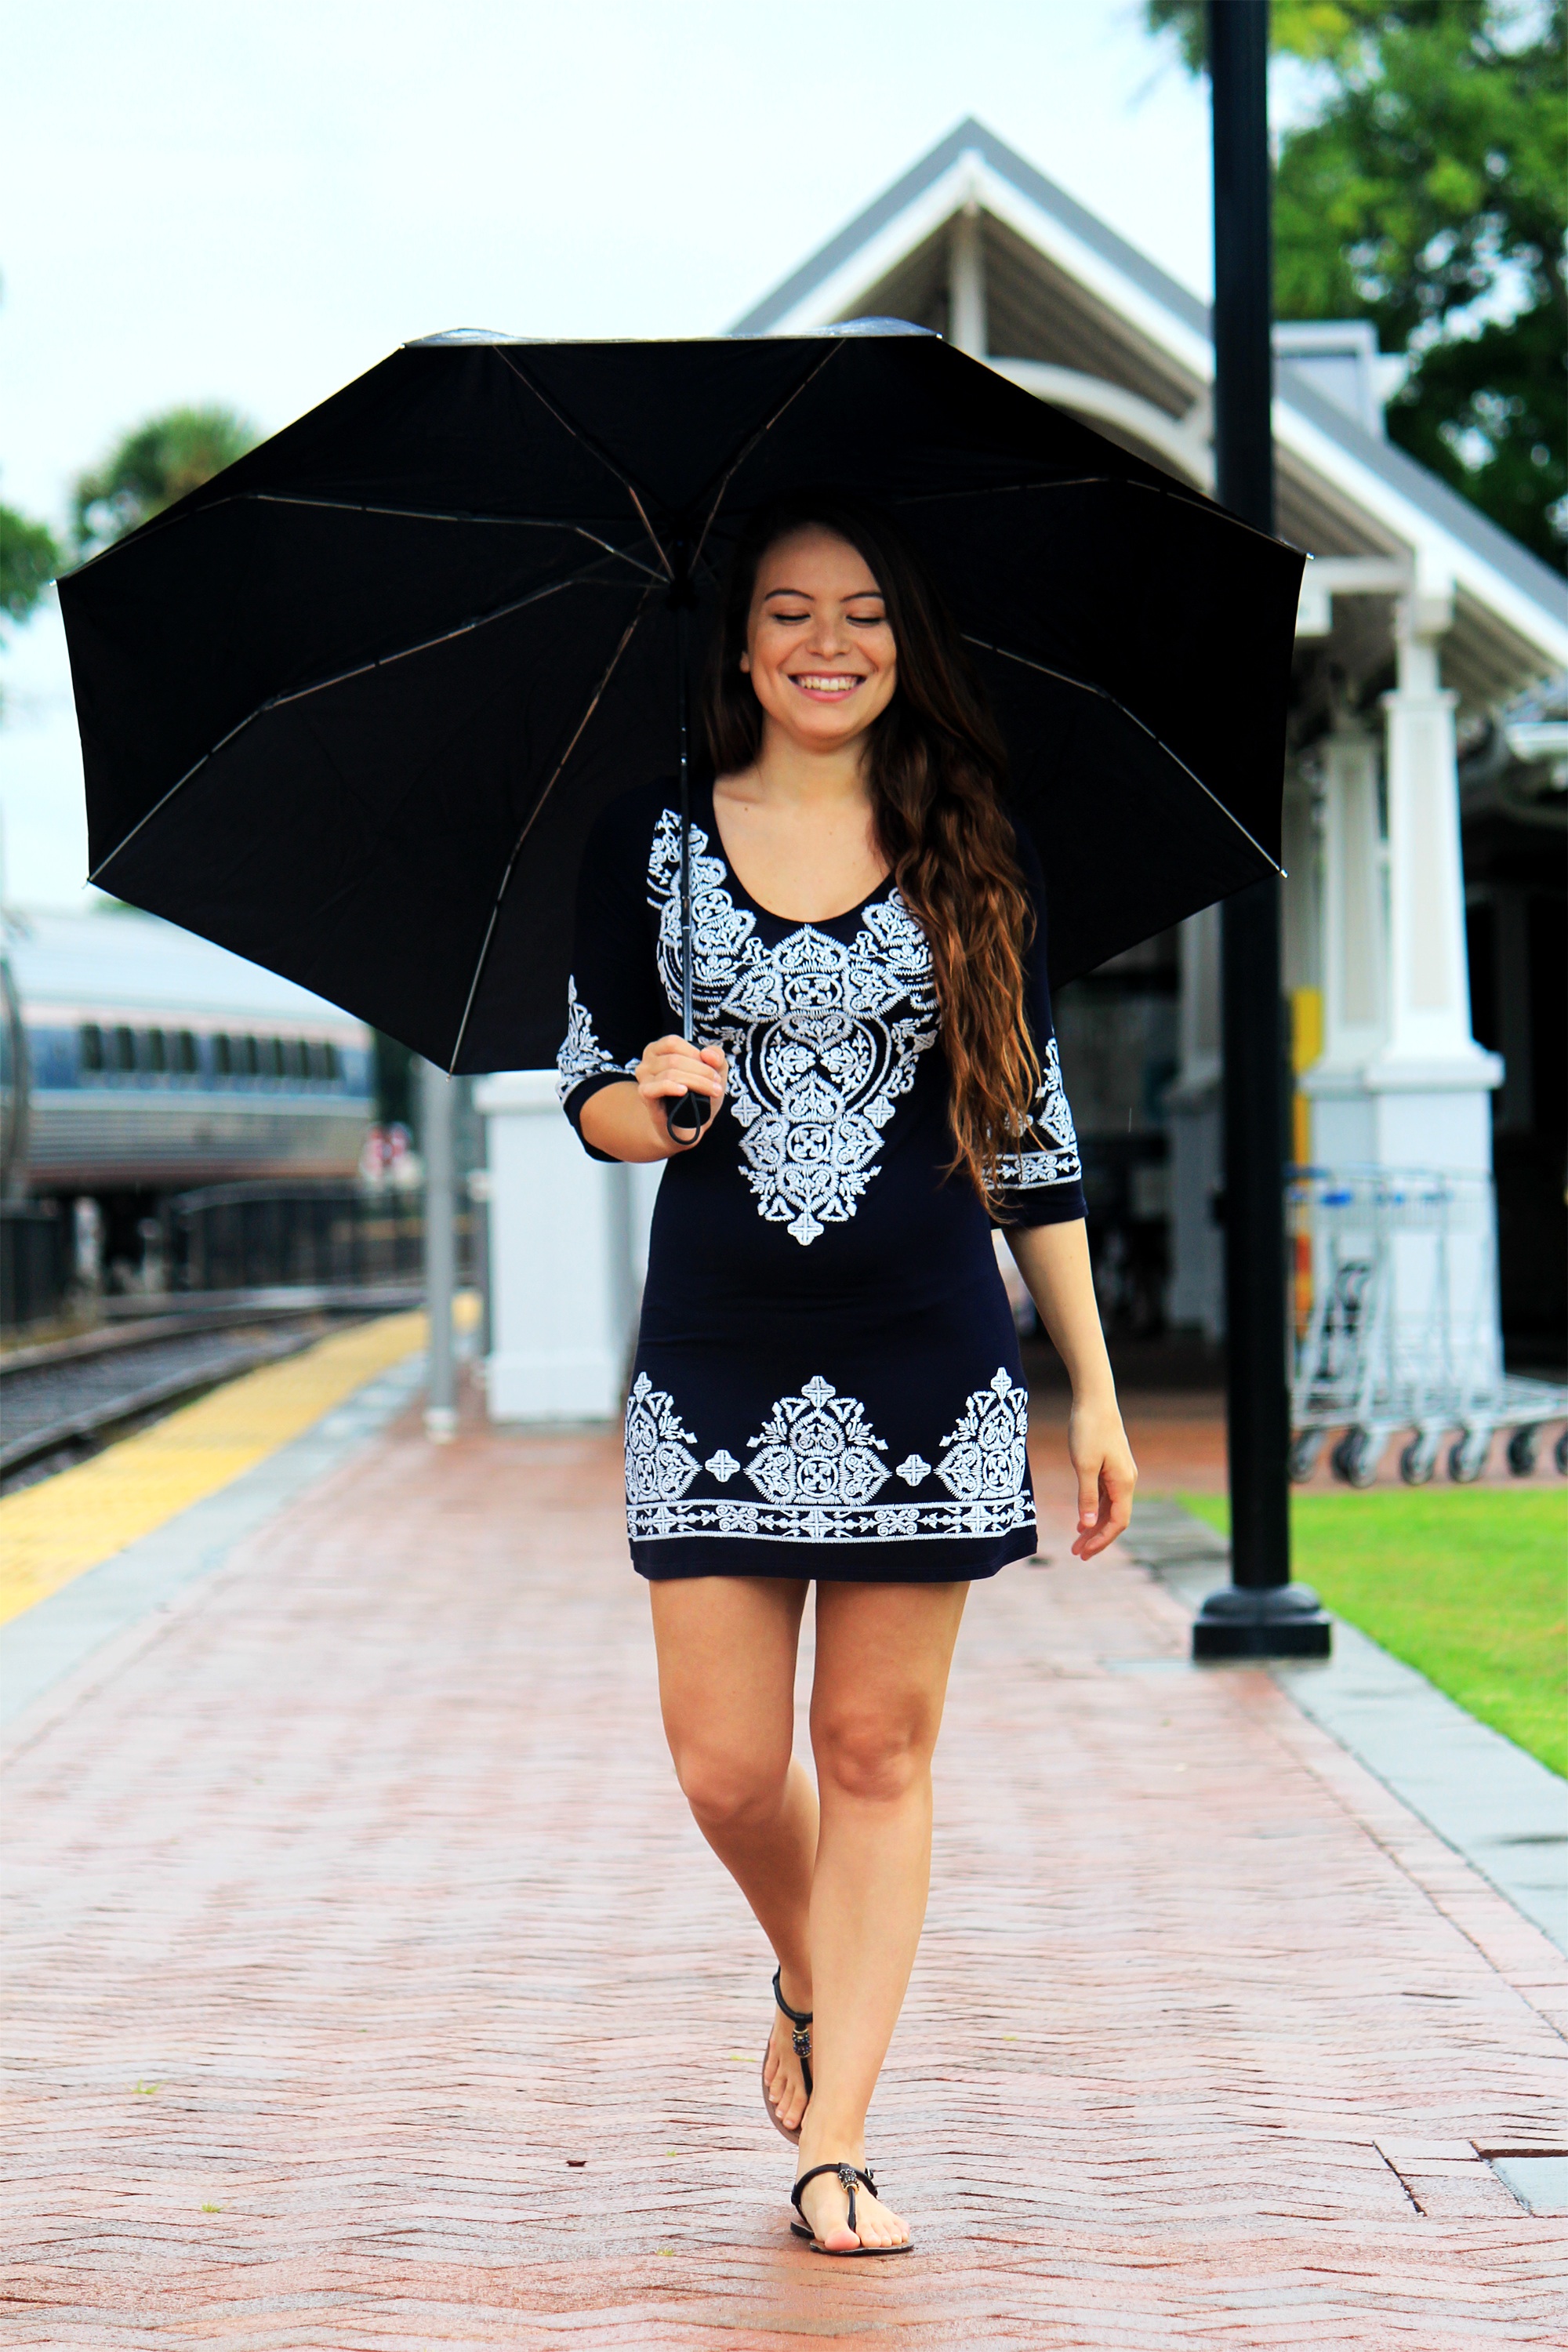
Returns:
(880, 2226)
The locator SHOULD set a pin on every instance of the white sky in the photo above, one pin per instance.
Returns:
(252, 202)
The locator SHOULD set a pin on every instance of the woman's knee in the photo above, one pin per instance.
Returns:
(876, 1756)
(728, 1787)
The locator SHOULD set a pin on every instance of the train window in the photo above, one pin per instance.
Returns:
(246, 1057)
(125, 1049)
(271, 1056)
(293, 1058)
(223, 1055)
(157, 1050)
(184, 1057)
(334, 1068)
(91, 1047)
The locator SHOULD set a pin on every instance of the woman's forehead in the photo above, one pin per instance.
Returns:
(815, 559)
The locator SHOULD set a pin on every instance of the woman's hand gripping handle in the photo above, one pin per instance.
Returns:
(642, 1117)
(686, 1080)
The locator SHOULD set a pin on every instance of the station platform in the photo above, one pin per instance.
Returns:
(370, 1986)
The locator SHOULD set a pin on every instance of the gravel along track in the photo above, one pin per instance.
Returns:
(52, 1414)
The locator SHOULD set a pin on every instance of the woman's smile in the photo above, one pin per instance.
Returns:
(826, 685)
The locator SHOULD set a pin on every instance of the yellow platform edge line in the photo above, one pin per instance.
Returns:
(54, 1531)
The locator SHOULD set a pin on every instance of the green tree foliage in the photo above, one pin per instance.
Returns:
(1428, 192)
(29, 559)
(161, 461)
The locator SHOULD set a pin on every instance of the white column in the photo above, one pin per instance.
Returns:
(1193, 1106)
(1401, 1083)
(564, 1240)
(1351, 948)
(1431, 1081)
(966, 282)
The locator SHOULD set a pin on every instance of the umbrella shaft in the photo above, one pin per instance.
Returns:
(683, 729)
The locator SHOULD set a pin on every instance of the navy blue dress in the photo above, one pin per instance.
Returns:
(828, 1381)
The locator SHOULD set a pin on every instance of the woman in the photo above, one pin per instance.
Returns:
(827, 1386)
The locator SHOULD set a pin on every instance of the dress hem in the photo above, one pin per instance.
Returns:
(889, 1563)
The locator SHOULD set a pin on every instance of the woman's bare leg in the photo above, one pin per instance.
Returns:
(727, 1648)
(883, 1651)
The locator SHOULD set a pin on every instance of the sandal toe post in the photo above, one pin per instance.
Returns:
(853, 2178)
(800, 2021)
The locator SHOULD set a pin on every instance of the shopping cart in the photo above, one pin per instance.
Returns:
(1400, 1329)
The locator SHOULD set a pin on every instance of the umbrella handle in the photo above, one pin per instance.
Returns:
(687, 1117)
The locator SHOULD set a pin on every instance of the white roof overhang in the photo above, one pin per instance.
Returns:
(1345, 492)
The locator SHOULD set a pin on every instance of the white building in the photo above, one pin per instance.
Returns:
(1420, 621)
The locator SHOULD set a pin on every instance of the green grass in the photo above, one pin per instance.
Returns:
(1469, 1586)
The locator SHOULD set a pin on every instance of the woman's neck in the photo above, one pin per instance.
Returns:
(788, 772)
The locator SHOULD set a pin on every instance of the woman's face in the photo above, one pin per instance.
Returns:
(819, 649)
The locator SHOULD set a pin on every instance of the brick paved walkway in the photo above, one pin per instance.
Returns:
(370, 1988)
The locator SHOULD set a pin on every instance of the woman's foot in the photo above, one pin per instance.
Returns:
(783, 2075)
(824, 2207)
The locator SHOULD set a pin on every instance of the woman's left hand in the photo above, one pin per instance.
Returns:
(1107, 1473)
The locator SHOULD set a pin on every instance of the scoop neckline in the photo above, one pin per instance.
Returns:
(790, 922)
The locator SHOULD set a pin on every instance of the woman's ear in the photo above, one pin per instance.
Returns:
(746, 665)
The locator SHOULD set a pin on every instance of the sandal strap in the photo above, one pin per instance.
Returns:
(850, 2176)
(798, 2017)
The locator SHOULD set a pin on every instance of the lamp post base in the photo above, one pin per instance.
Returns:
(1279, 1620)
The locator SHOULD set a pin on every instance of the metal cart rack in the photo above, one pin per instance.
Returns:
(1402, 1330)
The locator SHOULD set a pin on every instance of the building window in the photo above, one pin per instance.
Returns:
(270, 1056)
(293, 1058)
(186, 1057)
(223, 1055)
(246, 1057)
(124, 1049)
(91, 1047)
(157, 1050)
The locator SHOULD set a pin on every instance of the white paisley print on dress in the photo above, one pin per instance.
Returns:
(581, 1055)
(817, 1462)
(817, 1447)
(659, 1468)
(988, 1453)
(1054, 1158)
(823, 1037)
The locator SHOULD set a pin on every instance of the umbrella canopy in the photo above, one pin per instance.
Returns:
(351, 708)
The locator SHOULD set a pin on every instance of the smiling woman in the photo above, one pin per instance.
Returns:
(827, 1385)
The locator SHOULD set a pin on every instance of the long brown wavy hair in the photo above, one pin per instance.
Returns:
(937, 767)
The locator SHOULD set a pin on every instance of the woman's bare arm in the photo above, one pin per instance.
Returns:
(1054, 1261)
(628, 1121)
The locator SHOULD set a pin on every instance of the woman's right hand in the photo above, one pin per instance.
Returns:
(671, 1067)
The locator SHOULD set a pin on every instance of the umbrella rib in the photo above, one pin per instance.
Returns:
(433, 514)
(1175, 490)
(319, 685)
(746, 450)
(550, 783)
(594, 448)
(1085, 686)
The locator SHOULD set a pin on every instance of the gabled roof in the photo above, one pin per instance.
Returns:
(1391, 496)
(971, 137)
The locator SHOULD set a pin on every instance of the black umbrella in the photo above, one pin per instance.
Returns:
(351, 708)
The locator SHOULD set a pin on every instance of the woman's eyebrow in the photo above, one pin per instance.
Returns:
(805, 597)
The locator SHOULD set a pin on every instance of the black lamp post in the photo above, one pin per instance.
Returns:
(1261, 1614)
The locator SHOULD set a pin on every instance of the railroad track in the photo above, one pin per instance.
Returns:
(63, 1399)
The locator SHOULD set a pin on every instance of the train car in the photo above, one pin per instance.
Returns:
(141, 1061)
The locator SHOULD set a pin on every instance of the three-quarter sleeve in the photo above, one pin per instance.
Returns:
(1042, 1181)
(615, 1004)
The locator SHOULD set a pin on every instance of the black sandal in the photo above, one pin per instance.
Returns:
(851, 2177)
(800, 2018)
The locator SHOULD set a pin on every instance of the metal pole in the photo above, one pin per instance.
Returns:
(1262, 1614)
(686, 1118)
(440, 1258)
